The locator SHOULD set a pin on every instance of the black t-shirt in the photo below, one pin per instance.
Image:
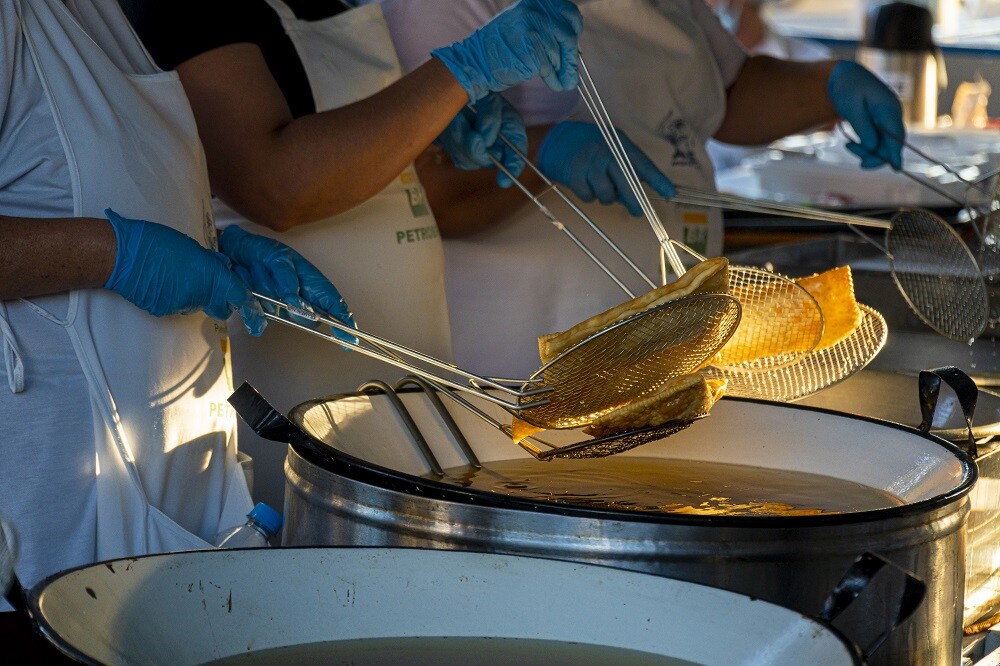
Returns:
(174, 31)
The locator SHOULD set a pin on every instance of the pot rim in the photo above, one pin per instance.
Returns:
(33, 596)
(363, 471)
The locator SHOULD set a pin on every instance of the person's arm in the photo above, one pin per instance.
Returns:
(154, 267)
(282, 172)
(773, 98)
(48, 256)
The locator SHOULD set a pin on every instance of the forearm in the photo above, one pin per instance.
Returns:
(467, 202)
(773, 98)
(282, 172)
(48, 256)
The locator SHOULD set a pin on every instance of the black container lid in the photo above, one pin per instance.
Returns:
(899, 26)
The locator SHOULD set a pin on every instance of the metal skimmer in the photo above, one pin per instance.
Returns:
(781, 320)
(539, 448)
(816, 370)
(772, 377)
(931, 265)
(662, 342)
(627, 360)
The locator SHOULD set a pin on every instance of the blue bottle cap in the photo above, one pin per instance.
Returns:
(268, 518)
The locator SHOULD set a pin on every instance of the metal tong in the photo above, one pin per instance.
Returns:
(395, 354)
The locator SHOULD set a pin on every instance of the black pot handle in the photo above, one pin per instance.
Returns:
(929, 386)
(856, 579)
(271, 424)
(15, 596)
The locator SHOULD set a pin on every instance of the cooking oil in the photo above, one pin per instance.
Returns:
(451, 651)
(663, 485)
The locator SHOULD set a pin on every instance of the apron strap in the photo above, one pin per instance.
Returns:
(282, 10)
(13, 362)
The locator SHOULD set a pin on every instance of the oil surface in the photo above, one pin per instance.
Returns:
(450, 651)
(661, 485)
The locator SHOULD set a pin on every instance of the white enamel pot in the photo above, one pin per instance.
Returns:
(196, 607)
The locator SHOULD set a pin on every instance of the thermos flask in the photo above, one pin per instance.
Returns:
(899, 48)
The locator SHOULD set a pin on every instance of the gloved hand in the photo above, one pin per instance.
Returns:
(473, 136)
(574, 153)
(873, 110)
(531, 37)
(165, 272)
(276, 270)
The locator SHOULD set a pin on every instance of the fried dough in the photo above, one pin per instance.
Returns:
(521, 429)
(679, 399)
(834, 292)
(778, 319)
(708, 277)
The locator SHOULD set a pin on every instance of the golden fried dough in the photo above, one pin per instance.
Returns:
(834, 291)
(708, 277)
(778, 318)
(679, 399)
(521, 429)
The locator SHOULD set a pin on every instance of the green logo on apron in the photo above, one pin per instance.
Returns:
(418, 203)
(696, 238)
(417, 234)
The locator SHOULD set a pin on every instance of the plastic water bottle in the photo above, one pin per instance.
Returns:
(262, 524)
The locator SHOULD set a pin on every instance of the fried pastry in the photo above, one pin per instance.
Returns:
(708, 277)
(834, 292)
(678, 399)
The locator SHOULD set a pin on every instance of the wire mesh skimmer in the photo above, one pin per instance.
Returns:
(934, 270)
(807, 373)
(781, 319)
(542, 449)
(789, 377)
(602, 372)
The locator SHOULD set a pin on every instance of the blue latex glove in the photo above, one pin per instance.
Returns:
(574, 153)
(473, 136)
(873, 110)
(276, 270)
(165, 272)
(529, 38)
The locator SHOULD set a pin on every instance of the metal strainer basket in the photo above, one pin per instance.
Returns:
(630, 359)
(781, 319)
(815, 371)
(602, 372)
(933, 268)
(937, 274)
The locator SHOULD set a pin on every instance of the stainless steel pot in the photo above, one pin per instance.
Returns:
(891, 397)
(353, 477)
(198, 607)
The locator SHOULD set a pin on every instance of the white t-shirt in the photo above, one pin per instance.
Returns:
(420, 26)
(34, 175)
(35, 182)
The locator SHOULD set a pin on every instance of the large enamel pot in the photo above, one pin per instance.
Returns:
(202, 606)
(354, 477)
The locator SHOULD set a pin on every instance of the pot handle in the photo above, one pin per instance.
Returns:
(271, 424)
(929, 386)
(857, 578)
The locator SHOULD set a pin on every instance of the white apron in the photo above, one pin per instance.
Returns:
(384, 256)
(160, 471)
(658, 78)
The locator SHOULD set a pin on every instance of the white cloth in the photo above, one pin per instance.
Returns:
(662, 67)
(385, 255)
(120, 441)
(34, 180)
